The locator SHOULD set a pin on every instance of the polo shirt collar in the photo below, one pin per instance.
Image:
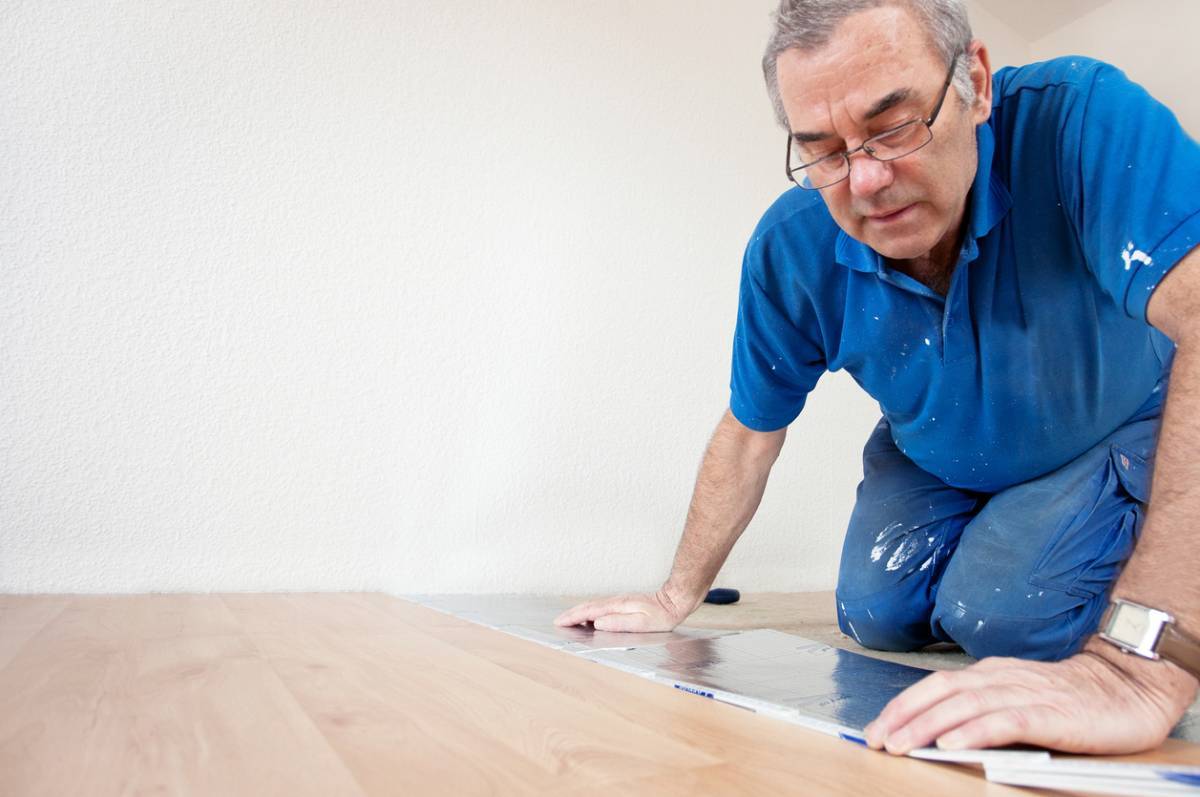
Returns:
(989, 202)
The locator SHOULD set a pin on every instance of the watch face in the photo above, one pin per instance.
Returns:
(1129, 624)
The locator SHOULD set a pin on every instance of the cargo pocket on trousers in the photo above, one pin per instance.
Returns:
(1085, 555)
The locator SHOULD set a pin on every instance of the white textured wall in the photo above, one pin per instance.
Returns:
(1005, 46)
(1154, 41)
(408, 296)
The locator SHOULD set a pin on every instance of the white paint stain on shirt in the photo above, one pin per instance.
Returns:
(1129, 255)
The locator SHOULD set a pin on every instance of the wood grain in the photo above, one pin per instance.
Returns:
(152, 695)
(21, 617)
(366, 694)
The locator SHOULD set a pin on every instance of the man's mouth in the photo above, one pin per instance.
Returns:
(890, 216)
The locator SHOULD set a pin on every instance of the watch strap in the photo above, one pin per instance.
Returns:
(1180, 649)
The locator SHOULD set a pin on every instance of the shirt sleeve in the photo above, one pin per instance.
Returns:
(1132, 177)
(775, 362)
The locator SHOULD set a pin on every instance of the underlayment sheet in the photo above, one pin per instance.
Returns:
(764, 670)
(801, 681)
(532, 618)
(779, 673)
(1096, 776)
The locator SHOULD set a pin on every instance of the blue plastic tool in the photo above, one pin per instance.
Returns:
(722, 596)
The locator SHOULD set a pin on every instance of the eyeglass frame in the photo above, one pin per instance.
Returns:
(865, 146)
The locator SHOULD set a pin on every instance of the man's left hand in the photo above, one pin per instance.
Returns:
(1099, 701)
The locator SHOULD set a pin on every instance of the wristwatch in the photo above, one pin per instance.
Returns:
(1150, 633)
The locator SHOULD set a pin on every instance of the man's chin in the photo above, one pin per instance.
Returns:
(908, 248)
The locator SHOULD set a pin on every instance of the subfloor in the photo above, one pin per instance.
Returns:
(813, 615)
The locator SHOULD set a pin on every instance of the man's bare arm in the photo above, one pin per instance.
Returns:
(1100, 700)
(1162, 571)
(729, 487)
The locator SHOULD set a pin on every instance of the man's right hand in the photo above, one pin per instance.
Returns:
(644, 612)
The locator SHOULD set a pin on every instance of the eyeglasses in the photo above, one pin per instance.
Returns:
(887, 146)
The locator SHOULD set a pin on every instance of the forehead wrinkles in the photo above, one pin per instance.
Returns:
(839, 94)
(870, 55)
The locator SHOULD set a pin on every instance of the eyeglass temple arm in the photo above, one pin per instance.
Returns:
(945, 91)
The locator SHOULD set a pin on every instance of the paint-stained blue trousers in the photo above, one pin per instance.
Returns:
(1022, 572)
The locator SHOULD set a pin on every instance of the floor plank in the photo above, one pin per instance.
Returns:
(366, 694)
(788, 758)
(21, 618)
(129, 709)
(402, 706)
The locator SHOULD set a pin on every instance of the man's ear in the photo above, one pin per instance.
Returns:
(981, 78)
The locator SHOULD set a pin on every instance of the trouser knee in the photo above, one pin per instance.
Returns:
(881, 623)
(982, 630)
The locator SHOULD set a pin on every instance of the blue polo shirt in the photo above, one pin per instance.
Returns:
(1086, 194)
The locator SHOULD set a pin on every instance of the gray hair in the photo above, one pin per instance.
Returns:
(808, 25)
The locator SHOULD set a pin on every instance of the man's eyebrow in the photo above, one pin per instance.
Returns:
(887, 103)
(805, 138)
(890, 101)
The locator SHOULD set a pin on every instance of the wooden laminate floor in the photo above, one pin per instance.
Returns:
(367, 694)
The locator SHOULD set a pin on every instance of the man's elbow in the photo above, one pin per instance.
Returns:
(1174, 306)
(756, 445)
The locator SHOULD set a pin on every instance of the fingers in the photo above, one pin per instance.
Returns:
(1034, 724)
(632, 612)
(582, 613)
(1075, 705)
(913, 701)
(942, 718)
(624, 622)
(589, 611)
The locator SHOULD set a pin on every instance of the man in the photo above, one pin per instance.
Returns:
(1008, 266)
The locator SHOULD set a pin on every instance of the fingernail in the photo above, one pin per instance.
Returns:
(869, 734)
(951, 741)
(899, 742)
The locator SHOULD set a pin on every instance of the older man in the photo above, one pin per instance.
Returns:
(1007, 264)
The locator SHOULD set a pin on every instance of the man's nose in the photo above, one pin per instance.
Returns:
(867, 175)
